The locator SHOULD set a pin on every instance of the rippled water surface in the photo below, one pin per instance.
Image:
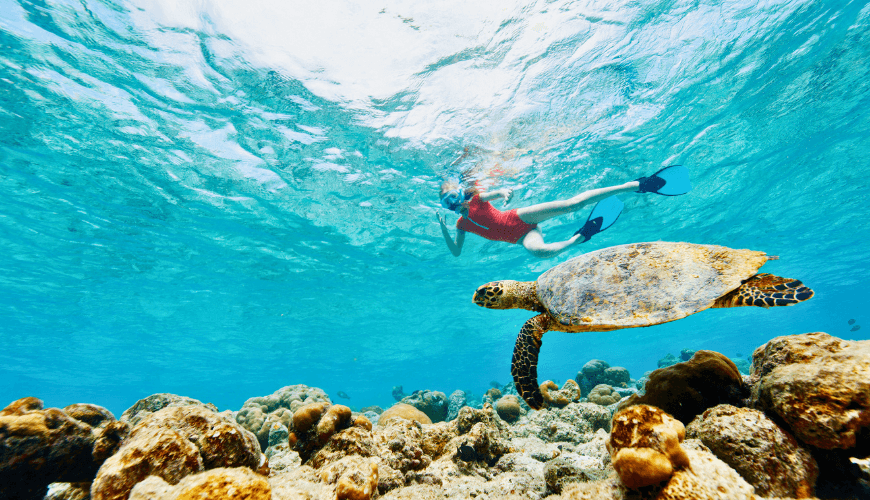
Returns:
(218, 199)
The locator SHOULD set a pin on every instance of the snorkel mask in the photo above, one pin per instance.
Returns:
(451, 200)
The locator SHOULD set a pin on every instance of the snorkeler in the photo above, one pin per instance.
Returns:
(521, 224)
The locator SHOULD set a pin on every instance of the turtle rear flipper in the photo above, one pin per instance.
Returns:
(766, 290)
(524, 365)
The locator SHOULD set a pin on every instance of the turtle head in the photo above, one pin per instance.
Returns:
(507, 294)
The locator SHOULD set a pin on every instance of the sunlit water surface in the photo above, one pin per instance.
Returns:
(217, 199)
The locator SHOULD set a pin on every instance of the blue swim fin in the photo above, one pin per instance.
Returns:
(669, 181)
(603, 216)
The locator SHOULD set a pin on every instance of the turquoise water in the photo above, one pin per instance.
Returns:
(218, 201)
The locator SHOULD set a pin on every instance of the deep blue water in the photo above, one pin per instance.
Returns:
(217, 201)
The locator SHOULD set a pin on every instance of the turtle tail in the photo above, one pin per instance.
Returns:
(524, 365)
(766, 290)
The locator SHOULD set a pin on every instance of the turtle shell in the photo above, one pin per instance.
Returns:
(642, 284)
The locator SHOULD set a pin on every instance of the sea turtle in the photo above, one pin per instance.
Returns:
(627, 286)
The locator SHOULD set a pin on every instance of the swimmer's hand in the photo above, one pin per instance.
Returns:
(441, 220)
(508, 193)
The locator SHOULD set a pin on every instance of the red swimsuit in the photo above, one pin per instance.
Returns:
(491, 223)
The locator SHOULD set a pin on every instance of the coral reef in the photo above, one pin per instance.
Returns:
(767, 457)
(686, 354)
(574, 423)
(432, 403)
(402, 410)
(564, 470)
(604, 395)
(41, 446)
(173, 443)
(321, 433)
(237, 482)
(708, 479)
(645, 446)
(818, 385)
(560, 398)
(183, 449)
(596, 372)
(686, 389)
(156, 402)
(260, 414)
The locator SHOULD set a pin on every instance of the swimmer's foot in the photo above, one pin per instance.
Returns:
(669, 181)
(603, 216)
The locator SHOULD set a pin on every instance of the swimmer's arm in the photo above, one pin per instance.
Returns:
(505, 193)
(454, 246)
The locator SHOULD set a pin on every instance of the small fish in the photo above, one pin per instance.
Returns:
(495, 384)
(851, 321)
(342, 394)
(855, 328)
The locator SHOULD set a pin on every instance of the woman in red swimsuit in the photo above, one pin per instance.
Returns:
(517, 225)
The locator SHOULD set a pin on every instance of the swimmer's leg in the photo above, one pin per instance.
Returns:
(543, 211)
(533, 241)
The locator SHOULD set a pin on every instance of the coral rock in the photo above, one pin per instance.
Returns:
(560, 398)
(41, 446)
(406, 411)
(645, 446)
(457, 400)
(150, 451)
(604, 395)
(768, 458)
(239, 483)
(432, 403)
(576, 423)
(156, 402)
(616, 376)
(568, 469)
(259, 414)
(686, 389)
(315, 425)
(708, 479)
(508, 408)
(350, 441)
(336, 417)
(374, 408)
(818, 384)
(173, 443)
(93, 415)
(400, 445)
(355, 478)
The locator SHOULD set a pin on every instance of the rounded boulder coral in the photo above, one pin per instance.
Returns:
(604, 395)
(402, 410)
(508, 408)
(645, 446)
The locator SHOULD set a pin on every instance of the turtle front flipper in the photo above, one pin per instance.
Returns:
(524, 365)
(766, 290)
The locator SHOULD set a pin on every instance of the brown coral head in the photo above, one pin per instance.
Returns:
(337, 417)
(645, 445)
(22, 406)
(686, 389)
(494, 393)
(569, 393)
(304, 418)
(639, 467)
